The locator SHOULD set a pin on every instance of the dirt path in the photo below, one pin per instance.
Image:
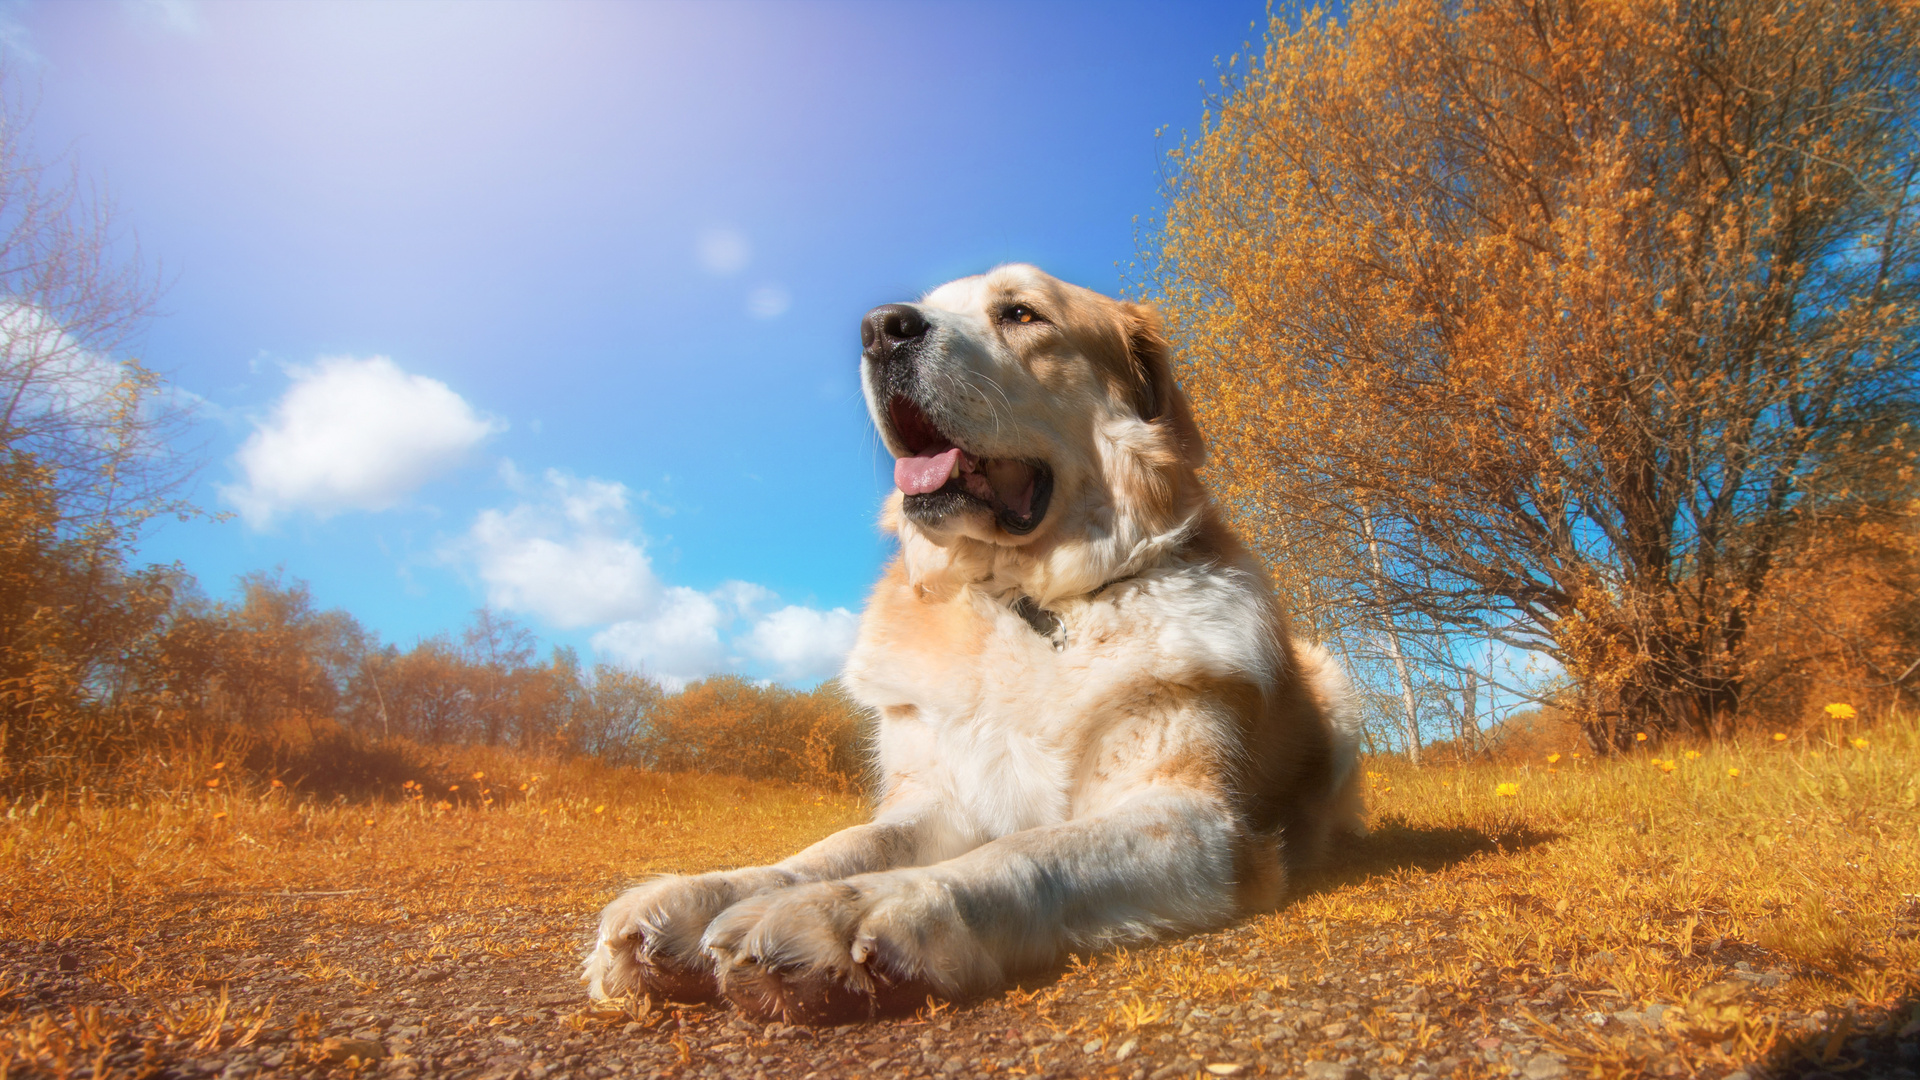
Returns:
(357, 982)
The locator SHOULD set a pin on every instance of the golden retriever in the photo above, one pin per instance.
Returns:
(1093, 727)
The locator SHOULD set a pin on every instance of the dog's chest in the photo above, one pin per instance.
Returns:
(1008, 728)
(1005, 723)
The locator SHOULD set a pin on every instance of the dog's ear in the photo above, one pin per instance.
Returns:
(1156, 397)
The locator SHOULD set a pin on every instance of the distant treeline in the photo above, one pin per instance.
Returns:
(105, 672)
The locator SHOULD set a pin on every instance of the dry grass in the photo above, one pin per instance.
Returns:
(1640, 881)
(1655, 874)
(1628, 881)
(194, 878)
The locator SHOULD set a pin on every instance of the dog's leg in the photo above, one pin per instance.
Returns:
(649, 939)
(833, 951)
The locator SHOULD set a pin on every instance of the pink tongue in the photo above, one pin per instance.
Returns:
(919, 475)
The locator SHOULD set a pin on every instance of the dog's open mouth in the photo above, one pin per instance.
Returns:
(939, 477)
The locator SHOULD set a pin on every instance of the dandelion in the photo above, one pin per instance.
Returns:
(1639, 736)
(1859, 744)
(1735, 773)
(1553, 759)
(1668, 765)
(1779, 736)
(1692, 754)
(1840, 710)
(1507, 791)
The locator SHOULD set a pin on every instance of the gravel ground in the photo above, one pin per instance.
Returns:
(1338, 1009)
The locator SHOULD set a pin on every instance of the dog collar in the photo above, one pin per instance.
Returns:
(1044, 622)
(1047, 623)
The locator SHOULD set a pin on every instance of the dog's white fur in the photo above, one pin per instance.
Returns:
(1153, 765)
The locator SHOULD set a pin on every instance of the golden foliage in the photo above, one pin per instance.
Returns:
(1596, 316)
(726, 724)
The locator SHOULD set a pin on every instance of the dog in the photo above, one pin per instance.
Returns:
(1093, 726)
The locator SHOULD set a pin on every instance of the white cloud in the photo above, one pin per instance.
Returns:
(60, 385)
(723, 252)
(570, 554)
(802, 642)
(768, 302)
(353, 435)
(567, 557)
(678, 643)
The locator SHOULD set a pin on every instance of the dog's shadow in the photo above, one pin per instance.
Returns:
(1879, 1044)
(1392, 845)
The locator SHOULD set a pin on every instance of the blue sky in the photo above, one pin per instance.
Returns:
(554, 306)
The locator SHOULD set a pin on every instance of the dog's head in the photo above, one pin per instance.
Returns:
(1036, 430)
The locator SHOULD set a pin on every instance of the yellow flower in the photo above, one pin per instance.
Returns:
(1691, 754)
(1735, 773)
(277, 783)
(1507, 791)
(1840, 710)
(453, 787)
(213, 783)
(1859, 744)
(1668, 766)
(1779, 736)
(1553, 759)
(601, 809)
(523, 787)
(1640, 736)
(479, 776)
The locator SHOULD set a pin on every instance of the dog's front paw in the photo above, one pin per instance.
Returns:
(837, 951)
(649, 939)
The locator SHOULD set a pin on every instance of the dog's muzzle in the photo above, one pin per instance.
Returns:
(935, 473)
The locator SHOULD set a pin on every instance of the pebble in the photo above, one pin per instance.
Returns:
(1545, 1067)
(337, 1050)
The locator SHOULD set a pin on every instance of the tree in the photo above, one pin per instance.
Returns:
(613, 717)
(73, 293)
(87, 460)
(500, 654)
(1585, 313)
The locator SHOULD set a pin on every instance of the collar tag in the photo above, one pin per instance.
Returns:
(1044, 622)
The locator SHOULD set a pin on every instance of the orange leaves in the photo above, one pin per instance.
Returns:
(1519, 280)
(727, 724)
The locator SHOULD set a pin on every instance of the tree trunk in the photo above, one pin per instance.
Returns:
(1393, 647)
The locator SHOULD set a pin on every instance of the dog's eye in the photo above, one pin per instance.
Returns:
(1020, 313)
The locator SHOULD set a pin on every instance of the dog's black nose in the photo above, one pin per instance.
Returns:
(890, 326)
